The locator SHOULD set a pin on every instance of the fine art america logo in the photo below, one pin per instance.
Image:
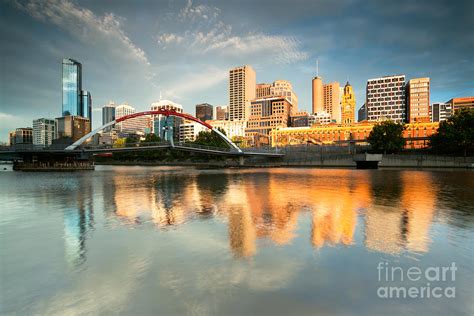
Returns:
(416, 282)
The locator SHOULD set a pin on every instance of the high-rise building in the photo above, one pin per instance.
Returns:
(279, 88)
(188, 131)
(222, 112)
(72, 87)
(385, 99)
(136, 125)
(21, 136)
(162, 125)
(440, 111)
(262, 90)
(331, 102)
(362, 114)
(348, 104)
(241, 92)
(284, 88)
(461, 103)
(318, 94)
(267, 114)
(204, 111)
(73, 127)
(108, 115)
(44, 131)
(418, 100)
(86, 103)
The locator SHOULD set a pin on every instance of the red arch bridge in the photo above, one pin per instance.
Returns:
(232, 150)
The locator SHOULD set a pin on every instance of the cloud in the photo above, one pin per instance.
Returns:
(206, 33)
(205, 12)
(195, 81)
(84, 24)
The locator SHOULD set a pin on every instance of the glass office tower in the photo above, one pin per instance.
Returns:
(72, 87)
(86, 104)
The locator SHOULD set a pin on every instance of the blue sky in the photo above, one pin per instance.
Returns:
(131, 51)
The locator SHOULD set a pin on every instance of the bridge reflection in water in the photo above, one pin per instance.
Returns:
(395, 213)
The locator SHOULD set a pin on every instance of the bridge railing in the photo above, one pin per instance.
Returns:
(199, 146)
(126, 145)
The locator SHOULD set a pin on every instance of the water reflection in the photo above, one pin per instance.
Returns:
(78, 221)
(396, 209)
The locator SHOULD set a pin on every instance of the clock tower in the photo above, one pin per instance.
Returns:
(348, 105)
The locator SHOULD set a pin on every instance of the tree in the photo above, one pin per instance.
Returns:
(211, 139)
(151, 138)
(387, 137)
(456, 134)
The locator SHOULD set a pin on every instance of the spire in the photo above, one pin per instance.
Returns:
(317, 67)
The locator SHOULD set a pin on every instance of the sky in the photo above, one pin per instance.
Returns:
(133, 50)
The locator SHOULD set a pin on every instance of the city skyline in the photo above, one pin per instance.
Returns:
(121, 67)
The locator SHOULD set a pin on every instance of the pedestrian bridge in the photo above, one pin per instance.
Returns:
(191, 147)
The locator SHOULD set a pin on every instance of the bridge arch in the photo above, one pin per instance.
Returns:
(155, 112)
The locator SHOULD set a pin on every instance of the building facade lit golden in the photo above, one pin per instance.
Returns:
(318, 95)
(279, 88)
(348, 105)
(331, 103)
(241, 92)
(416, 133)
(267, 114)
(418, 98)
(461, 103)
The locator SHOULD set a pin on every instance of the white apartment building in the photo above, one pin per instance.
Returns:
(138, 125)
(231, 128)
(44, 131)
(319, 118)
(385, 99)
(188, 131)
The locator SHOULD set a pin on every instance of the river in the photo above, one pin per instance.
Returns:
(283, 241)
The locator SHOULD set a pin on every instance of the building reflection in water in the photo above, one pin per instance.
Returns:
(403, 224)
(78, 221)
(396, 208)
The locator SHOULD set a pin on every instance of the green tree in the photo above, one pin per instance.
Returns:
(211, 139)
(456, 134)
(387, 137)
(151, 138)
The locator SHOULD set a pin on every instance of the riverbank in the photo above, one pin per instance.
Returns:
(319, 161)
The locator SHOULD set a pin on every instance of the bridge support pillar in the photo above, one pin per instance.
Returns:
(241, 160)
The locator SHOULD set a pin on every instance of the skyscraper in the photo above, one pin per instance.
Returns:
(44, 131)
(331, 102)
(108, 115)
(418, 100)
(204, 111)
(348, 105)
(385, 98)
(86, 103)
(72, 87)
(278, 88)
(241, 92)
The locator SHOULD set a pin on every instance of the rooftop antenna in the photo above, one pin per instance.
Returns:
(317, 67)
(160, 95)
